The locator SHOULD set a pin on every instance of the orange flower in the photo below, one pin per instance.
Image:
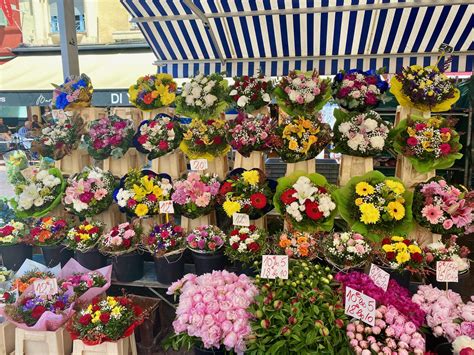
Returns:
(303, 251)
(44, 235)
(302, 240)
(47, 221)
(284, 242)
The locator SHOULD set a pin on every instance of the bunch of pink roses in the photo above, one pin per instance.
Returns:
(213, 308)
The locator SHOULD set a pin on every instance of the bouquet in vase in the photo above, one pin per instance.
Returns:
(251, 93)
(447, 251)
(121, 239)
(153, 91)
(76, 92)
(346, 250)
(298, 245)
(47, 231)
(164, 239)
(246, 244)
(401, 254)
(84, 237)
(13, 232)
(206, 239)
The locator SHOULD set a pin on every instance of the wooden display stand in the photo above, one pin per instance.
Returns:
(89, 114)
(110, 217)
(189, 224)
(260, 223)
(74, 162)
(35, 342)
(7, 337)
(404, 112)
(307, 166)
(148, 222)
(219, 166)
(123, 346)
(254, 161)
(421, 235)
(353, 166)
(173, 164)
(131, 113)
(406, 172)
(148, 115)
(120, 167)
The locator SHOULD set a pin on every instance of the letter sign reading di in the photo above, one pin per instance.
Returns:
(45, 287)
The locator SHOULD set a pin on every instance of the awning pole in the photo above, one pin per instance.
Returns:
(67, 32)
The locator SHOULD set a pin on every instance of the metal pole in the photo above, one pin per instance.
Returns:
(67, 32)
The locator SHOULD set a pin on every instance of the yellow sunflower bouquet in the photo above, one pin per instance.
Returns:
(375, 205)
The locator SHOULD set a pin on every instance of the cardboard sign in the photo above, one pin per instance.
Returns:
(360, 306)
(446, 271)
(198, 164)
(379, 276)
(241, 219)
(166, 206)
(274, 266)
(46, 287)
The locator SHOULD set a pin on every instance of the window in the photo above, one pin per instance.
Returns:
(78, 12)
(80, 24)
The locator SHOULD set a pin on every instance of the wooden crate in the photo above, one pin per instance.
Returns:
(254, 161)
(35, 342)
(307, 166)
(7, 338)
(403, 112)
(219, 166)
(120, 167)
(131, 113)
(408, 174)
(173, 164)
(111, 217)
(74, 162)
(148, 115)
(123, 346)
(353, 166)
(189, 224)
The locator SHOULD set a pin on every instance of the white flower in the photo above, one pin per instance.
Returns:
(377, 142)
(370, 124)
(189, 100)
(293, 95)
(234, 239)
(38, 202)
(198, 103)
(51, 181)
(308, 97)
(242, 248)
(266, 97)
(79, 205)
(345, 236)
(249, 241)
(207, 89)
(326, 205)
(244, 230)
(42, 174)
(210, 99)
(296, 81)
(122, 197)
(345, 127)
(25, 202)
(233, 92)
(95, 174)
(243, 101)
(462, 342)
(293, 211)
(372, 88)
(460, 262)
(304, 189)
(204, 80)
(355, 94)
(354, 143)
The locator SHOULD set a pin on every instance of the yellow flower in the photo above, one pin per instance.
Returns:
(416, 67)
(147, 184)
(251, 177)
(154, 94)
(364, 189)
(305, 123)
(307, 145)
(399, 247)
(395, 186)
(139, 193)
(445, 137)
(422, 85)
(167, 97)
(396, 210)
(388, 248)
(396, 238)
(160, 89)
(411, 132)
(428, 133)
(141, 210)
(231, 207)
(88, 227)
(158, 192)
(402, 257)
(430, 93)
(414, 249)
(369, 214)
(96, 317)
(84, 236)
(436, 122)
(111, 301)
(426, 146)
(292, 145)
(400, 199)
(359, 201)
(188, 135)
(116, 311)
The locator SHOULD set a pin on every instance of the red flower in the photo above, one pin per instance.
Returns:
(225, 188)
(104, 318)
(34, 232)
(385, 241)
(210, 122)
(137, 310)
(258, 200)
(148, 99)
(169, 126)
(217, 140)
(85, 319)
(142, 139)
(163, 145)
(417, 257)
(420, 126)
(38, 311)
(124, 301)
(7, 230)
(6, 296)
(199, 141)
(131, 203)
(407, 242)
(390, 255)
(287, 196)
(322, 189)
(151, 197)
(95, 308)
(252, 227)
(412, 141)
(234, 232)
(126, 243)
(467, 351)
(445, 149)
(312, 210)
(86, 197)
(95, 300)
(254, 247)
(59, 305)
(235, 246)
(243, 236)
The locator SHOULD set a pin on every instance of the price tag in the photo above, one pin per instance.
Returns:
(46, 287)
(166, 207)
(198, 164)
(360, 306)
(274, 266)
(446, 271)
(241, 219)
(379, 276)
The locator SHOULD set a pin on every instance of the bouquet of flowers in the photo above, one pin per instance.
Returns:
(21, 283)
(358, 90)
(48, 231)
(153, 91)
(247, 191)
(306, 201)
(140, 192)
(205, 139)
(80, 283)
(121, 239)
(346, 250)
(195, 194)
(109, 137)
(246, 244)
(441, 207)
(360, 134)
(15, 162)
(223, 319)
(203, 97)
(206, 239)
(76, 92)
(298, 245)
(375, 205)
(428, 143)
(449, 250)
(426, 89)
(401, 254)
(6, 212)
(164, 239)
(107, 319)
(89, 192)
(84, 236)
(299, 139)
(12, 232)
(40, 192)
(247, 133)
(5, 274)
(251, 93)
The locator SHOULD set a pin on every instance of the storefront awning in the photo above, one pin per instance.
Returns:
(275, 36)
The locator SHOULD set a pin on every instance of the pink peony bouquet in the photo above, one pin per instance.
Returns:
(206, 239)
(212, 311)
(446, 314)
(121, 239)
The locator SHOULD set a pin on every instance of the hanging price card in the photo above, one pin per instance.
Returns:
(45, 287)
(198, 164)
(379, 276)
(274, 266)
(166, 207)
(360, 306)
(241, 219)
(446, 271)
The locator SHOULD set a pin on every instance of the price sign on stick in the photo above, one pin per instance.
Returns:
(166, 207)
(46, 287)
(360, 306)
(379, 276)
(274, 266)
(446, 271)
(241, 219)
(198, 164)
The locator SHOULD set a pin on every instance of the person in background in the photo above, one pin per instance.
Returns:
(5, 133)
(25, 131)
(35, 123)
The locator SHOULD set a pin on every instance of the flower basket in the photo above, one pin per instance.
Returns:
(120, 167)
(352, 166)
(124, 346)
(173, 163)
(7, 338)
(74, 162)
(254, 161)
(34, 342)
(251, 93)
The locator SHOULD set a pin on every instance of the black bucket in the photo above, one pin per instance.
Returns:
(453, 286)
(206, 263)
(91, 259)
(55, 254)
(14, 256)
(169, 268)
(402, 277)
(246, 269)
(128, 267)
(202, 351)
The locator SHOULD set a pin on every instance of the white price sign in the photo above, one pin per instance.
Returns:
(46, 287)
(446, 271)
(166, 207)
(198, 164)
(360, 306)
(241, 219)
(379, 276)
(274, 266)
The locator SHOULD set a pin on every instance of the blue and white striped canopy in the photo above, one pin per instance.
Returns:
(243, 37)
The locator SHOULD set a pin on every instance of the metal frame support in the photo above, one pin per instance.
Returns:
(67, 31)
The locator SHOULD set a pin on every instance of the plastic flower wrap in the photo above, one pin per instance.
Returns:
(247, 133)
(13, 232)
(298, 245)
(195, 194)
(48, 231)
(426, 89)
(76, 92)
(206, 239)
(121, 239)
(401, 254)
(306, 202)
(105, 319)
(203, 97)
(447, 251)
(164, 239)
(375, 205)
(153, 91)
(357, 90)
(141, 191)
(247, 191)
(80, 283)
(429, 144)
(205, 139)
(15, 162)
(302, 94)
(251, 93)
(246, 244)
(360, 134)
(89, 192)
(346, 249)
(299, 139)
(158, 136)
(110, 136)
(84, 237)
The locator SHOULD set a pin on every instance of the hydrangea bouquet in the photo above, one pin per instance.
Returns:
(76, 92)
(251, 93)
(153, 91)
(206, 239)
(298, 245)
(346, 250)
(246, 244)
(84, 237)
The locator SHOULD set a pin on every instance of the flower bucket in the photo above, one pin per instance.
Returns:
(40, 342)
(219, 166)
(128, 267)
(189, 224)
(169, 268)
(91, 259)
(74, 162)
(14, 255)
(402, 278)
(201, 351)
(206, 262)
(7, 337)
(55, 254)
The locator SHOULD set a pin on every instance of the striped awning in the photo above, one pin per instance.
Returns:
(243, 37)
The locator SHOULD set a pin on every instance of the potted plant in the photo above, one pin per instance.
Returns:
(206, 243)
(83, 240)
(298, 245)
(13, 249)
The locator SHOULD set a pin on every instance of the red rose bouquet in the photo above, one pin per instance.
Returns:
(251, 93)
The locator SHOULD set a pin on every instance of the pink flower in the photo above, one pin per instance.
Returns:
(447, 224)
(445, 149)
(412, 141)
(100, 194)
(420, 126)
(432, 213)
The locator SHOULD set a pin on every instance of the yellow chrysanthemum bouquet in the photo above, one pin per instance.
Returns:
(153, 91)
(375, 205)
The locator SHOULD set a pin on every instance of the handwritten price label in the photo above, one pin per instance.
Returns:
(379, 276)
(241, 219)
(446, 271)
(46, 287)
(360, 306)
(166, 207)
(274, 266)
(198, 164)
